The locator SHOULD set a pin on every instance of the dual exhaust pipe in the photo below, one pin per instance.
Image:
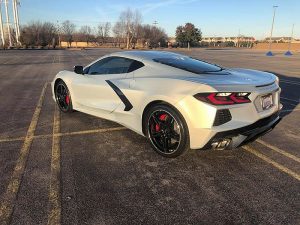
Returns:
(221, 144)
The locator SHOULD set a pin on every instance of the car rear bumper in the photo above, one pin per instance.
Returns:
(238, 137)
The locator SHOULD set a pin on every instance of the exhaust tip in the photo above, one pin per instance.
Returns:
(221, 144)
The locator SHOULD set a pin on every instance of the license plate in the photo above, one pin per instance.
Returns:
(267, 101)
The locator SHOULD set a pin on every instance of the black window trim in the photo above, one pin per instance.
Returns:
(187, 69)
(87, 69)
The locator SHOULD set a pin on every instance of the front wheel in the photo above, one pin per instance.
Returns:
(167, 131)
(63, 97)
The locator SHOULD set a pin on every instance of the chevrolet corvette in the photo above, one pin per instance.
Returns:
(176, 101)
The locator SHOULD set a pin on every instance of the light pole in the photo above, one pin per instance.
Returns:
(14, 4)
(7, 22)
(269, 53)
(155, 23)
(1, 26)
(288, 53)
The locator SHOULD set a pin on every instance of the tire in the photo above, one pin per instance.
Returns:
(63, 97)
(166, 130)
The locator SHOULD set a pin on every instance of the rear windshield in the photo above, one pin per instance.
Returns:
(189, 64)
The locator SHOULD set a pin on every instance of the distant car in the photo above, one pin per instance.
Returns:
(176, 101)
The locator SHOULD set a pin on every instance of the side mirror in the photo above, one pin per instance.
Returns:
(78, 69)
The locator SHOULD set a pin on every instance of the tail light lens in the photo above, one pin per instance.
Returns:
(225, 98)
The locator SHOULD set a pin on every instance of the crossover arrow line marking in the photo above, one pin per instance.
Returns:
(274, 148)
(7, 206)
(273, 163)
(54, 214)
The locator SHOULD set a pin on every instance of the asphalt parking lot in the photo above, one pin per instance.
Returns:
(79, 169)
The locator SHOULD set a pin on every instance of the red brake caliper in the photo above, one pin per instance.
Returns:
(67, 99)
(162, 117)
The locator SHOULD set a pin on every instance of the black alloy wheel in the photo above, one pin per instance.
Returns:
(167, 131)
(63, 97)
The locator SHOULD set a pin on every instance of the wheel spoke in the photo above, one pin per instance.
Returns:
(175, 136)
(165, 144)
(61, 93)
(164, 131)
(156, 120)
(156, 134)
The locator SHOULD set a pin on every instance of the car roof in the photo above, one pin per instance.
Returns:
(145, 55)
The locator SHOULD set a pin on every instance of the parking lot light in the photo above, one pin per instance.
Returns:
(289, 53)
(269, 53)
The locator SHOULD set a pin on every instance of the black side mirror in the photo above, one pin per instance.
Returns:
(78, 69)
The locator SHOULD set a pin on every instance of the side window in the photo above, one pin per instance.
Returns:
(111, 65)
(135, 65)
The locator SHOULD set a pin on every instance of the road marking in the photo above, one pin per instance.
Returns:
(289, 82)
(282, 152)
(92, 131)
(103, 130)
(293, 100)
(12, 139)
(290, 110)
(54, 215)
(272, 162)
(7, 206)
(86, 56)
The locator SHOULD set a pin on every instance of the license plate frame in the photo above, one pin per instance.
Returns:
(267, 101)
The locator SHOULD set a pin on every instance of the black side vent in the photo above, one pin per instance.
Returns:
(222, 116)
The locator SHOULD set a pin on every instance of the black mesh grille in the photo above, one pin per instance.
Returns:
(222, 116)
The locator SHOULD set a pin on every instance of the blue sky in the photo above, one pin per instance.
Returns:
(214, 18)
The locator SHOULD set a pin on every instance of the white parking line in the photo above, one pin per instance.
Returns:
(290, 82)
(290, 110)
(293, 100)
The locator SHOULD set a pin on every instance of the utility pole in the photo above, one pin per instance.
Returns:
(269, 53)
(1, 26)
(7, 22)
(288, 53)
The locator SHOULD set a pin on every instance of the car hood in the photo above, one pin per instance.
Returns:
(235, 76)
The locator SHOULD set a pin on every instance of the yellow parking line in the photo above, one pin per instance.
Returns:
(273, 163)
(12, 139)
(280, 151)
(54, 215)
(7, 205)
(101, 130)
(92, 131)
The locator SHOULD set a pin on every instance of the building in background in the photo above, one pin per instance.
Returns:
(241, 41)
(281, 40)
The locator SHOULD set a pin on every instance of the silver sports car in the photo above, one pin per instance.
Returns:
(176, 101)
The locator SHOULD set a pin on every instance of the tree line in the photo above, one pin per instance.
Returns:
(127, 32)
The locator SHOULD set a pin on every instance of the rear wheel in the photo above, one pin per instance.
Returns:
(167, 131)
(63, 97)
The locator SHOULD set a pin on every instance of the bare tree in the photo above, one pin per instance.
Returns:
(119, 32)
(103, 32)
(68, 30)
(131, 20)
(39, 34)
(152, 36)
(86, 33)
(49, 34)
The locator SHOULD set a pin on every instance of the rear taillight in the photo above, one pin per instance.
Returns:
(225, 98)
